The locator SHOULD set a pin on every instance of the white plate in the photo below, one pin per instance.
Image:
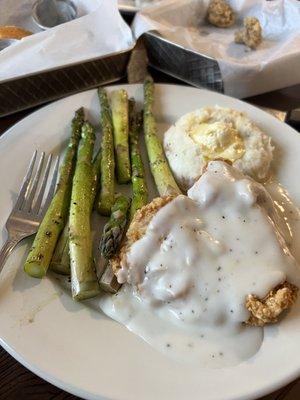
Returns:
(82, 351)
(133, 6)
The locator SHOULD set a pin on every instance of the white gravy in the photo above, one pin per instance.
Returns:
(187, 278)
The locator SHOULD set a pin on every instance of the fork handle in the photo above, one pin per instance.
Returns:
(6, 249)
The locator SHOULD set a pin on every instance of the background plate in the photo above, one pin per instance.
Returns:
(132, 6)
(76, 347)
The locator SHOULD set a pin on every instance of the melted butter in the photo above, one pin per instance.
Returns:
(189, 275)
(218, 140)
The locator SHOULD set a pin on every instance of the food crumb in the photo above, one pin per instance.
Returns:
(220, 14)
(251, 34)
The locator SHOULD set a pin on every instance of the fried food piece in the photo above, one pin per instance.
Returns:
(267, 310)
(251, 34)
(263, 311)
(220, 14)
(138, 227)
(13, 32)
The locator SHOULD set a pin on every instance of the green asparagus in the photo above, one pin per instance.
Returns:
(84, 281)
(138, 179)
(107, 190)
(41, 252)
(159, 166)
(119, 108)
(114, 229)
(60, 262)
(108, 281)
(97, 173)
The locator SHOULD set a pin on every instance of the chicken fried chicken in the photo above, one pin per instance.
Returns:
(263, 311)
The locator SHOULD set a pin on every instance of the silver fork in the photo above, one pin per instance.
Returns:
(30, 207)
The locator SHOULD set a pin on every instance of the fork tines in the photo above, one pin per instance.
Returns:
(33, 190)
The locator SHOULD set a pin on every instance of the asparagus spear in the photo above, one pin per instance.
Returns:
(114, 229)
(60, 262)
(138, 180)
(159, 166)
(41, 252)
(106, 195)
(108, 281)
(119, 108)
(97, 172)
(83, 275)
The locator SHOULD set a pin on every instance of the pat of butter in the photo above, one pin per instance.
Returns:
(218, 140)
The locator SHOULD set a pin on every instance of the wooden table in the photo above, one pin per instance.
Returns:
(17, 383)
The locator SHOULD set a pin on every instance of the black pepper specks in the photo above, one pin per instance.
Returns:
(219, 268)
(168, 345)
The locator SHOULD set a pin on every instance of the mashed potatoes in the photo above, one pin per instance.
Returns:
(216, 133)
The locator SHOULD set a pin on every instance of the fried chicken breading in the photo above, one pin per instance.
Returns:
(138, 227)
(267, 310)
(263, 311)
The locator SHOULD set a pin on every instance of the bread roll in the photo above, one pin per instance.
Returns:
(13, 32)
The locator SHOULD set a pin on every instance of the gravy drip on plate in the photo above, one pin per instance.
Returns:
(188, 277)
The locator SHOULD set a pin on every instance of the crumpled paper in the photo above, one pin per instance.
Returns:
(99, 30)
(273, 65)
